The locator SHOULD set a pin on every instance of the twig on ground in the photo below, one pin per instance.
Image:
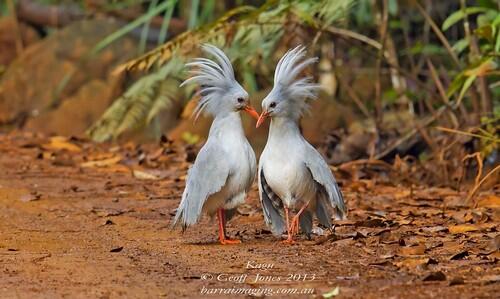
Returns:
(476, 186)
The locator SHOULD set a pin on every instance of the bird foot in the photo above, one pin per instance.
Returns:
(229, 241)
(294, 227)
(288, 241)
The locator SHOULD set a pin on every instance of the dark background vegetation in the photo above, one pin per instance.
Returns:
(409, 82)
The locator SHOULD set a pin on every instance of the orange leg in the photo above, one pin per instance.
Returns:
(222, 229)
(293, 229)
(289, 240)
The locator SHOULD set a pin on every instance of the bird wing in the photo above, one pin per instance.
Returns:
(272, 205)
(322, 174)
(206, 176)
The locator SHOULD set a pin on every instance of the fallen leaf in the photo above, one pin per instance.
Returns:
(415, 250)
(490, 278)
(492, 201)
(400, 194)
(414, 263)
(116, 249)
(459, 255)
(142, 175)
(61, 143)
(371, 223)
(434, 276)
(332, 293)
(102, 163)
(463, 228)
(434, 229)
(456, 281)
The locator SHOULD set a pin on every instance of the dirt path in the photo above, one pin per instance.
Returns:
(71, 229)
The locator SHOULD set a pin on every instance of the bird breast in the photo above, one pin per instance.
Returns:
(288, 177)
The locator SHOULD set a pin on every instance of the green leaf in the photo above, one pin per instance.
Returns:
(467, 84)
(166, 22)
(393, 7)
(129, 27)
(193, 14)
(332, 293)
(460, 14)
(456, 84)
(460, 45)
(485, 32)
(497, 45)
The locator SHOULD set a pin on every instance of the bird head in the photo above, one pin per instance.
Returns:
(220, 92)
(289, 95)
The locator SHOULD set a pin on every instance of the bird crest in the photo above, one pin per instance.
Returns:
(215, 78)
(289, 86)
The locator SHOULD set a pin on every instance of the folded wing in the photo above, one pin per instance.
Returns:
(323, 175)
(207, 176)
(272, 206)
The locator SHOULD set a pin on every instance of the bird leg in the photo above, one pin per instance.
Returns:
(289, 240)
(294, 226)
(221, 217)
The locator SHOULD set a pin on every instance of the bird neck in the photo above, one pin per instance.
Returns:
(226, 122)
(284, 127)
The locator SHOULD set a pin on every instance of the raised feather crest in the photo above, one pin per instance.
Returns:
(287, 85)
(214, 78)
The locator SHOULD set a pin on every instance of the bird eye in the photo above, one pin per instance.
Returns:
(241, 100)
(272, 105)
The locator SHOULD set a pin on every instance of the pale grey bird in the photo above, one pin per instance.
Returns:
(225, 167)
(292, 173)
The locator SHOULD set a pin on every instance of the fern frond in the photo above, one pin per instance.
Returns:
(138, 106)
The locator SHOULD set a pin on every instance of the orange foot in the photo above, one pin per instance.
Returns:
(229, 241)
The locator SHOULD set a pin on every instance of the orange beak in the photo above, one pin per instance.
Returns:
(262, 118)
(249, 109)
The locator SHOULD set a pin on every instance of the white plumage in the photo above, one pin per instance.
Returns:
(225, 167)
(292, 174)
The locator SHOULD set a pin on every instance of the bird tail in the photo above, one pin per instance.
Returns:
(180, 218)
(340, 211)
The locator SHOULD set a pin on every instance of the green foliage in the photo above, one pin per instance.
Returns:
(483, 61)
(247, 34)
(140, 104)
(490, 129)
(3, 8)
(153, 11)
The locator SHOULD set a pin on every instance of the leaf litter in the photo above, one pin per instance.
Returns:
(396, 234)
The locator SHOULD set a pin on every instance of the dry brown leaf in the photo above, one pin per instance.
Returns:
(102, 163)
(400, 194)
(492, 201)
(415, 250)
(414, 263)
(61, 143)
(434, 276)
(143, 175)
(463, 228)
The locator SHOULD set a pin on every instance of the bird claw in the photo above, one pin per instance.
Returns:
(288, 241)
(294, 227)
(230, 241)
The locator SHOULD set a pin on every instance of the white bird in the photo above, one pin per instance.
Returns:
(292, 173)
(225, 167)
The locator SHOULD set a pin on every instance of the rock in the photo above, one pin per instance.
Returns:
(34, 91)
(76, 113)
(8, 36)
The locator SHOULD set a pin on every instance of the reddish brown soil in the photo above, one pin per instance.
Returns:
(68, 231)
